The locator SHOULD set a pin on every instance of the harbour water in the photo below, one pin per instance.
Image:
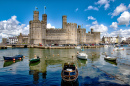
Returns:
(93, 72)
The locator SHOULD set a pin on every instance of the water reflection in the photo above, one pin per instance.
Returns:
(111, 62)
(9, 63)
(63, 83)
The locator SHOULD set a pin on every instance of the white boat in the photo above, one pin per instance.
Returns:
(110, 58)
(118, 49)
(82, 56)
(106, 46)
(78, 47)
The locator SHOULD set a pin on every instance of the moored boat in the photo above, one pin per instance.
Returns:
(110, 58)
(10, 58)
(82, 56)
(78, 47)
(34, 60)
(69, 72)
(118, 49)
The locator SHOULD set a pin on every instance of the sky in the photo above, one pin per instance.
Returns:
(110, 17)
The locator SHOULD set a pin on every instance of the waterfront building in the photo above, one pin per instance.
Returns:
(13, 40)
(68, 34)
(109, 40)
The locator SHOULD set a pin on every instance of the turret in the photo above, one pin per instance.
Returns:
(44, 18)
(79, 26)
(91, 30)
(36, 15)
(64, 22)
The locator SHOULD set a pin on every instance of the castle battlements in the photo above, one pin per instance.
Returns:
(68, 34)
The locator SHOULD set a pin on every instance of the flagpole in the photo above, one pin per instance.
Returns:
(44, 9)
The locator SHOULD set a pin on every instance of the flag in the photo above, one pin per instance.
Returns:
(36, 8)
(45, 7)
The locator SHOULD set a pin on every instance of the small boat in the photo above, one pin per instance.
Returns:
(78, 47)
(118, 49)
(82, 56)
(110, 58)
(106, 46)
(10, 58)
(69, 72)
(34, 59)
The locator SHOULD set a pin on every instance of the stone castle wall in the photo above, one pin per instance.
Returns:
(69, 34)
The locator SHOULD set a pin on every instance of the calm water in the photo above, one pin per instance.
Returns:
(93, 72)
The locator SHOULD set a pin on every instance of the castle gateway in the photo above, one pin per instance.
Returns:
(68, 34)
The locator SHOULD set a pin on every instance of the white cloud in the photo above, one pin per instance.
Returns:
(91, 18)
(95, 22)
(106, 6)
(124, 18)
(128, 6)
(49, 26)
(122, 33)
(76, 9)
(114, 25)
(87, 25)
(119, 9)
(12, 27)
(104, 2)
(91, 8)
(100, 28)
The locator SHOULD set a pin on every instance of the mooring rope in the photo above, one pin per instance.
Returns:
(116, 77)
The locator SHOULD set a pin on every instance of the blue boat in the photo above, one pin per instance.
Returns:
(10, 58)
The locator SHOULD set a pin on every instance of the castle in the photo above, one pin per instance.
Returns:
(68, 34)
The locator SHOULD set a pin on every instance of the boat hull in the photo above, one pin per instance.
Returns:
(69, 73)
(17, 57)
(34, 60)
(110, 59)
(82, 56)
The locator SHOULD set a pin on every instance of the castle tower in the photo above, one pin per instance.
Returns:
(79, 26)
(36, 15)
(35, 29)
(91, 30)
(64, 21)
(44, 18)
(44, 27)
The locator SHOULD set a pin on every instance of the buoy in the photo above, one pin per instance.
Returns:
(123, 49)
(113, 49)
(13, 59)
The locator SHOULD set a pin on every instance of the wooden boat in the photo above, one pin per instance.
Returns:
(118, 49)
(34, 60)
(69, 72)
(10, 58)
(110, 58)
(82, 56)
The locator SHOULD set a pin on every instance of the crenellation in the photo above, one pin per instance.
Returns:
(68, 34)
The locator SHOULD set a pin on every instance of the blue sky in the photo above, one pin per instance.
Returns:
(110, 17)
